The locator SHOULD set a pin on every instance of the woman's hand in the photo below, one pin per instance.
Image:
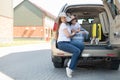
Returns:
(73, 33)
(76, 31)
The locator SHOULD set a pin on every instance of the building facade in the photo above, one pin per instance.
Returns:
(31, 21)
(6, 21)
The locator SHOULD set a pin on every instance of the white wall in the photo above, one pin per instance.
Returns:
(49, 22)
(6, 21)
(48, 26)
(6, 8)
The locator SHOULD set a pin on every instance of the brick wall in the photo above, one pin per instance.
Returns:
(29, 32)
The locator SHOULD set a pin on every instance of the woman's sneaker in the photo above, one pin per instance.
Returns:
(69, 72)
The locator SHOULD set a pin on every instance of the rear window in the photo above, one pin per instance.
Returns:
(81, 21)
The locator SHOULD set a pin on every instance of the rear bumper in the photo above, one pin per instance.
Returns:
(89, 53)
(101, 53)
(94, 51)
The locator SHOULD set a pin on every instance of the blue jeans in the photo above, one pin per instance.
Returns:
(71, 47)
(78, 43)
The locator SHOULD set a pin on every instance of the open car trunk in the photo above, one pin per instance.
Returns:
(88, 16)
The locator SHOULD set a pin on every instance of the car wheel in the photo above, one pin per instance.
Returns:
(58, 65)
(58, 62)
(114, 65)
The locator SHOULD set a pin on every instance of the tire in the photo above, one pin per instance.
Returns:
(114, 65)
(58, 65)
(58, 62)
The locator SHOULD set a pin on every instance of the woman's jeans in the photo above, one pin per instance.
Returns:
(74, 47)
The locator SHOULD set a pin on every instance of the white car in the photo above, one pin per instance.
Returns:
(107, 52)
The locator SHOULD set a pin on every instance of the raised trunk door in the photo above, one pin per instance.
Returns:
(113, 12)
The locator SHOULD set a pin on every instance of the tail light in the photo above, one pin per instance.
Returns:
(55, 27)
(111, 54)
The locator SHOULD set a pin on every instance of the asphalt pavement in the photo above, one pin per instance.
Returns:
(33, 62)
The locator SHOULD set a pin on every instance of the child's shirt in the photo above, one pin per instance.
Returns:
(76, 26)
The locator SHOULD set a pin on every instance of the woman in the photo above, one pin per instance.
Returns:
(64, 43)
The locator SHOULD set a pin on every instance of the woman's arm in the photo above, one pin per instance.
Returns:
(73, 30)
(68, 35)
(78, 30)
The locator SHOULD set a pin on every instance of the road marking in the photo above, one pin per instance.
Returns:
(4, 77)
(14, 49)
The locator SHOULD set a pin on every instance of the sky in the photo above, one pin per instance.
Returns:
(54, 6)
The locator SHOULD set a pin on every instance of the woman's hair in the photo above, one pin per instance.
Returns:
(59, 22)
